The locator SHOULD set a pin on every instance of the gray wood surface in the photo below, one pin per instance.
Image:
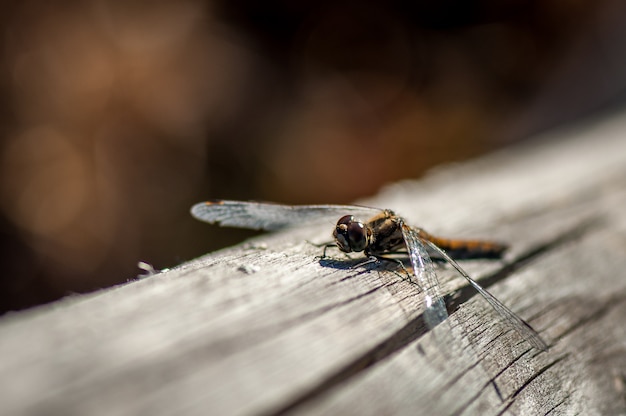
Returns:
(267, 327)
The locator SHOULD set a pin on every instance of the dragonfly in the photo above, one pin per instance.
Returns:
(383, 234)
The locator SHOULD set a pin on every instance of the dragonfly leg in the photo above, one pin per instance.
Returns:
(407, 275)
(377, 259)
(325, 245)
(370, 260)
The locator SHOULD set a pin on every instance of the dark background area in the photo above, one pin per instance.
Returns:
(116, 117)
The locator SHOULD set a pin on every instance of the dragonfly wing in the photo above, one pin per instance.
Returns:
(521, 326)
(269, 216)
(434, 306)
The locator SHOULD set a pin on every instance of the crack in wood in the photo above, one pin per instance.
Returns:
(472, 399)
(535, 375)
(490, 382)
(558, 404)
(497, 389)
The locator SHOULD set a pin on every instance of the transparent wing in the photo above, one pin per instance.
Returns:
(269, 216)
(434, 307)
(521, 326)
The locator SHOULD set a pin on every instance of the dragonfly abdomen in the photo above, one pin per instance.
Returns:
(469, 249)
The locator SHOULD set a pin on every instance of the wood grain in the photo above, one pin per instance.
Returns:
(267, 327)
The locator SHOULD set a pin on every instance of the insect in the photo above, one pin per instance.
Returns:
(383, 234)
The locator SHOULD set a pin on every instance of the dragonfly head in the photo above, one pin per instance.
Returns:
(351, 234)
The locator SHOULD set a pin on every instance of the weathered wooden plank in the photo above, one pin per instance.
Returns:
(582, 314)
(268, 328)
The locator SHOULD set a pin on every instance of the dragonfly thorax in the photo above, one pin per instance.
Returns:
(351, 234)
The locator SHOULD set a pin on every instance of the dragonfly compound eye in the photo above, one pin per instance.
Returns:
(350, 234)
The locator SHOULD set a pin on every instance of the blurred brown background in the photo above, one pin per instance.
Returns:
(116, 117)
